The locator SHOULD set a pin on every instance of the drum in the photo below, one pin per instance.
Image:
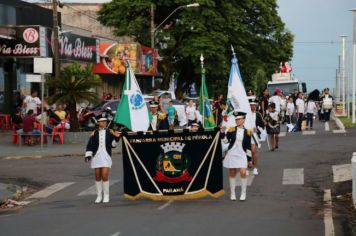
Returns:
(327, 103)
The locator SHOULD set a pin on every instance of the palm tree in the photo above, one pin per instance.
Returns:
(74, 86)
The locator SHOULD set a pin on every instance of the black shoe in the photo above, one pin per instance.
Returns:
(276, 147)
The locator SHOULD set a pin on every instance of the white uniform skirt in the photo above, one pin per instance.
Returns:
(235, 159)
(101, 159)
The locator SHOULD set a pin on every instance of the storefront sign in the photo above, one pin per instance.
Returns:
(168, 166)
(142, 59)
(22, 41)
(339, 109)
(78, 48)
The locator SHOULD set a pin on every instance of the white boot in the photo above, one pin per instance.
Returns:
(243, 189)
(106, 188)
(99, 191)
(232, 188)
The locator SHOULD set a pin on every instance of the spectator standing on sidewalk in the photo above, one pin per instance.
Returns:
(171, 114)
(300, 111)
(264, 102)
(276, 99)
(190, 112)
(32, 102)
(311, 109)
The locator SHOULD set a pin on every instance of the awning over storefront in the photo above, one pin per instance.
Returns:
(143, 60)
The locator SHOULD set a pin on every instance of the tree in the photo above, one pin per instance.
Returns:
(253, 27)
(74, 86)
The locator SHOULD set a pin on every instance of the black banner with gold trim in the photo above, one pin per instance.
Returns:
(172, 166)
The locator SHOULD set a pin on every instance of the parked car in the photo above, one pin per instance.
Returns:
(87, 114)
(159, 93)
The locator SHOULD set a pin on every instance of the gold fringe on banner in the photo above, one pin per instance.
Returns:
(200, 194)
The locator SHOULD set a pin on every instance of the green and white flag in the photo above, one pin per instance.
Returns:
(204, 102)
(132, 111)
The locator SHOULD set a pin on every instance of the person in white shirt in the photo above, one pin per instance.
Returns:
(311, 111)
(32, 102)
(300, 111)
(190, 112)
(290, 111)
(276, 99)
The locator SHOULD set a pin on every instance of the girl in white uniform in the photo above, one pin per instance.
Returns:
(239, 150)
(98, 152)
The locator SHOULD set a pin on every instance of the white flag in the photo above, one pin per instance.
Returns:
(237, 96)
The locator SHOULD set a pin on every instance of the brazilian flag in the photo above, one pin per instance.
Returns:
(204, 104)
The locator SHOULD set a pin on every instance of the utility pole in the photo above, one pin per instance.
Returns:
(343, 73)
(55, 47)
(153, 38)
(354, 67)
(338, 84)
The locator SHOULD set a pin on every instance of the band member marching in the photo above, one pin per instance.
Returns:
(273, 120)
(239, 151)
(258, 122)
(98, 152)
(157, 116)
(327, 104)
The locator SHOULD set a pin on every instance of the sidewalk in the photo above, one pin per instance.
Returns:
(8, 150)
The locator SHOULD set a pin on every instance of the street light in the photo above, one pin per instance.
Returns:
(180, 7)
(154, 30)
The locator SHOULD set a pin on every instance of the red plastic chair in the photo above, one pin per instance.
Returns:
(15, 135)
(58, 131)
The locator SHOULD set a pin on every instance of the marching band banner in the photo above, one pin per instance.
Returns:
(172, 166)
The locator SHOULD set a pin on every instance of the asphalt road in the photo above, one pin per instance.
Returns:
(273, 207)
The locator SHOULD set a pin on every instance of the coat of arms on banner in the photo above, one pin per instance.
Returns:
(173, 163)
(172, 166)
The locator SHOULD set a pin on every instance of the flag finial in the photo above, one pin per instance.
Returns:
(233, 51)
(202, 60)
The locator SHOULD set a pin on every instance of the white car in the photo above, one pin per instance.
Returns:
(159, 93)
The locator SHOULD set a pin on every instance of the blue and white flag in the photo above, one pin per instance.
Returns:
(237, 97)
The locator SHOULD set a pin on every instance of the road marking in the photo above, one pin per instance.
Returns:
(339, 131)
(50, 190)
(250, 179)
(115, 234)
(282, 134)
(167, 204)
(342, 173)
(327, 126)
(308, 132)
(293, 176)
(328, 214)
(21, 157)
(92, 189)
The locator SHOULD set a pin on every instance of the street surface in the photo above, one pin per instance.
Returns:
(290, 196)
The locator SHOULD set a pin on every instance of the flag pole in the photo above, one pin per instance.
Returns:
(201, 87)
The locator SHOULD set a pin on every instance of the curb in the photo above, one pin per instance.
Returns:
(338, 122)
(45, 156)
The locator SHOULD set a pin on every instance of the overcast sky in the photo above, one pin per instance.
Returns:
(317, 26)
